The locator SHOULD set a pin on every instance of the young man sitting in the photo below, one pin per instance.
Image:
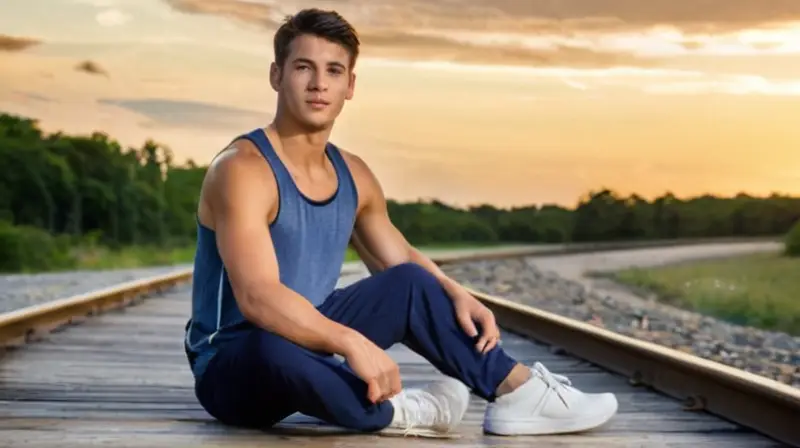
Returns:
(278, 208)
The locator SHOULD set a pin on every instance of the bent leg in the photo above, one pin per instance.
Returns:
(262, 378)
(407, 304)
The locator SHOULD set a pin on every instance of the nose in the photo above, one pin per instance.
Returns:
(318, 81)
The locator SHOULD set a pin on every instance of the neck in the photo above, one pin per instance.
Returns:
(299, 142)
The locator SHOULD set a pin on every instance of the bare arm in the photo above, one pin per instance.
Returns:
(379, 243)
(240, 200)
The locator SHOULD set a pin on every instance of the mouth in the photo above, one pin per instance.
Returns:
(317, 103)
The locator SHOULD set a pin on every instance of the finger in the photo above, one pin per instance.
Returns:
(397, 384)
(483, 342)
(381, 393)
(491, 344)
(386, 386)
(489, 331)
(391, 384)
(488, 344)
(389, 391)
(494, 339)
(465, 319)
(373, 391)
(398, 380)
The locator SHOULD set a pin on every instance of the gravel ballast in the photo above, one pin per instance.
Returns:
(528, 281)
(19, 291)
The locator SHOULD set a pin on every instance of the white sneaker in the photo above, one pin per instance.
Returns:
(547, 404)
(431, 411)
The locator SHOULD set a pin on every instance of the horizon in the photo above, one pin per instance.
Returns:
(467, 206)
(538, 104)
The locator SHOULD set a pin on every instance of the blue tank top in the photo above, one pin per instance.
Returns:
(310, 239)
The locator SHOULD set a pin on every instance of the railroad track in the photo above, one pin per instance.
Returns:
(119, 377)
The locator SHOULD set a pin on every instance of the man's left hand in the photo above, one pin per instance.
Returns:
(469, 311)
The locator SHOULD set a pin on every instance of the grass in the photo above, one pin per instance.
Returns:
(98, 257)
(761, 290)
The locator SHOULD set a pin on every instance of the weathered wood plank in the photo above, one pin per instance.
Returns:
(59, 433)
(122, 379)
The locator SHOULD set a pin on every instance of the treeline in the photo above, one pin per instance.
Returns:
(602, 216)
(62, 191)
(59, 192)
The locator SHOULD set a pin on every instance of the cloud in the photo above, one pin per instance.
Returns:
(688, 15)
(570, 33)
(730, 85)
(12, 43)
(193, 114)
(96, 3)
(242, 10)
(421, 44)
(91, 68)
(620, 73)
(575, 84)
(516, 15)
(440, 48)
(33, 96)
(112, 17)
(109, 16)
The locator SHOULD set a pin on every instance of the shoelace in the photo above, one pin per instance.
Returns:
(416, 409)
(557, 383)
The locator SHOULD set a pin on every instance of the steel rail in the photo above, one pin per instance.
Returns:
(763, 404)
(26, 324)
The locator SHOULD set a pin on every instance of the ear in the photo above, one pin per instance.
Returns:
(274, 76)
(351, 87)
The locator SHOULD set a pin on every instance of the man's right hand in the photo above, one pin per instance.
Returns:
(373, 365)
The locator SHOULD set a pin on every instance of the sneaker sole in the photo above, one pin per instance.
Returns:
(547, 426)
(299, 424)
(421, 433)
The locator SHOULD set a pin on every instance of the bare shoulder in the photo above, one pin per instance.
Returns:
(240, 158)
(238, 177)
(367, 183)
(357, 165)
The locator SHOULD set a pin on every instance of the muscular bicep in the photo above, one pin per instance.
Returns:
(240, 205)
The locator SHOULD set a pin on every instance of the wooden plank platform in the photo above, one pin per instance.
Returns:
(121, 379)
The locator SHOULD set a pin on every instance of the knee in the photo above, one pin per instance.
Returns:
(412, 274)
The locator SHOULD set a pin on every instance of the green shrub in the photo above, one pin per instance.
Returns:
(792, 241)
(25, 248)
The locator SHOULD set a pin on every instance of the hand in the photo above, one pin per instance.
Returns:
(375, 367)
(470, 310)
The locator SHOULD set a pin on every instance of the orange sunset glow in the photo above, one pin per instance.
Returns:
(506, 102)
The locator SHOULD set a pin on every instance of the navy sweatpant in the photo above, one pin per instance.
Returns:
(262, 378)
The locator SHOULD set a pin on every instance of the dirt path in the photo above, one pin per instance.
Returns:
(575, 266)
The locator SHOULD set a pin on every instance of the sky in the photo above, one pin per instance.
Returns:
(505, 102)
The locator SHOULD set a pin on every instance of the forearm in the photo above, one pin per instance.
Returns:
(421, 259)
(370, 261)
(282, 311)
(412, 255)
(401, 252)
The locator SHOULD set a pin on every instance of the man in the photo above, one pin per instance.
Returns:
(278, 208)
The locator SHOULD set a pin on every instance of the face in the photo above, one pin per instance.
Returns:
(314, 82)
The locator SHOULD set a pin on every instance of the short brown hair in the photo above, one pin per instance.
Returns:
(317, 22)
